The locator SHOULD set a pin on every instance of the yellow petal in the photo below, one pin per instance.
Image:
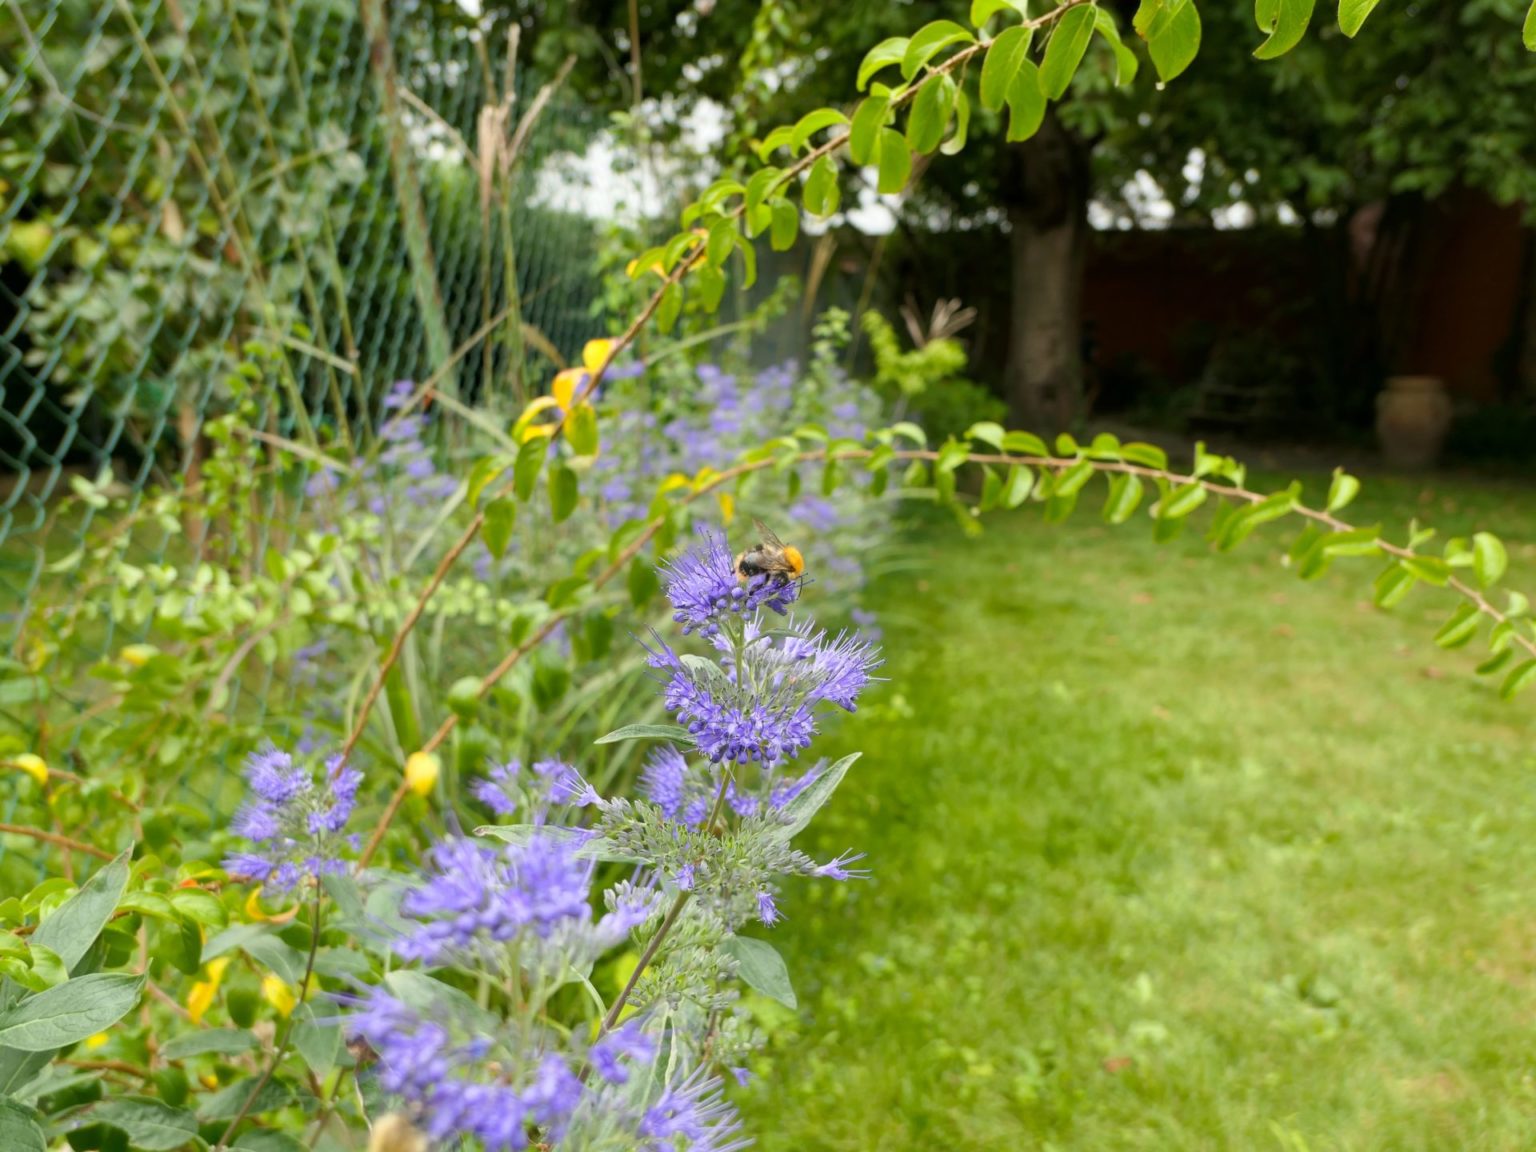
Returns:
(97, 1041)
(33, 765)
(727, 507)
(421, 772)
(201, 998)
(566, 385)
(276, 993)
(596, 354)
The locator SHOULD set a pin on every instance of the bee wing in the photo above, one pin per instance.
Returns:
(767, 533)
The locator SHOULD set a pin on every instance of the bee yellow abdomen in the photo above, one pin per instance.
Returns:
(794, 559)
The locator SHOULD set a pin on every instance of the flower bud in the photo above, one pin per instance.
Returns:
(421, 771)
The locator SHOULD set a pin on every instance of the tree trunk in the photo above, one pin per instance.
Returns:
(1048, 233)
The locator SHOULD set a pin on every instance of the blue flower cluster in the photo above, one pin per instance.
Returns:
(511, 1092)
(477, 894)
(702, 586)
(296, 825)
(758, 705)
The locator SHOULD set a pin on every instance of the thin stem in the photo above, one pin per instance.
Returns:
(383, 826)
(645, 959)
(282, 1048)
(62, 841)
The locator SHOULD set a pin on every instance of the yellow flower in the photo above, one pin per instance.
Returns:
(278, 994)
(727, 507)
(421, 771)
(138, 655)
(99, 1040)
(33, 765)
(203, 993)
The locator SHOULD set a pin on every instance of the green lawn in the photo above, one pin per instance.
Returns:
(1171, 851)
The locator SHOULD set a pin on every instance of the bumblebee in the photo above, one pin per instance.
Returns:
(770, 557)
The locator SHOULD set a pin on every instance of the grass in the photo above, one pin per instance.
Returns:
(1171, 851)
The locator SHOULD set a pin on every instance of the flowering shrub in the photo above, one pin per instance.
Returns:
(573, 979)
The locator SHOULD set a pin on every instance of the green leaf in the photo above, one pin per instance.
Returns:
(762, 968)
(674, 732)
(1181, 502)
(956, 142)
(722, 238)
(69, 1013)
(864, 135)
(642, 581)
(223, 1041)
(201, 907)
(1173, 43)
(786, 226)
(1355, 542)
(771, 143)
(1064, 52)
(1343, 489)
(1352, 14)
(821, 190)
(1520, 678)
(486, 470)
(500, 516)
(987, 432)
(19, 1131)
(1020, 482)
(1392, 585)
(1460, 628)
(748, 261)
(1147, 455)
(882, 55)
(1124, 495)
(1126, 64)
(984, 10)
(910, 431)
(1024, 444)
(814, 122)
(929, 41)
(229, 1101)
(1004, 55)
(564, 491)
(763, 182)
(895, 162)
(797, 814)
(72, 928)
(1430, 569)
(1026, 102)
(530, 461)
(670, 308)
(929, 119)
(1286, 22)
(1489, 559)
(1495, 662)
(1530, 28)
(1071, 481)
(952, 454)
(150, 1125)
(318, 1043)
(581, 430)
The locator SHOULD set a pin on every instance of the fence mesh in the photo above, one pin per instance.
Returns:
(179, 179)
(350, 190)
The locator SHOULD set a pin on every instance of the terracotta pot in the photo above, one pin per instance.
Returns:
(1412, 417)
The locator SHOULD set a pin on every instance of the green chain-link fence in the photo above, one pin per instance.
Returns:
(347, 188)
(178, 179)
